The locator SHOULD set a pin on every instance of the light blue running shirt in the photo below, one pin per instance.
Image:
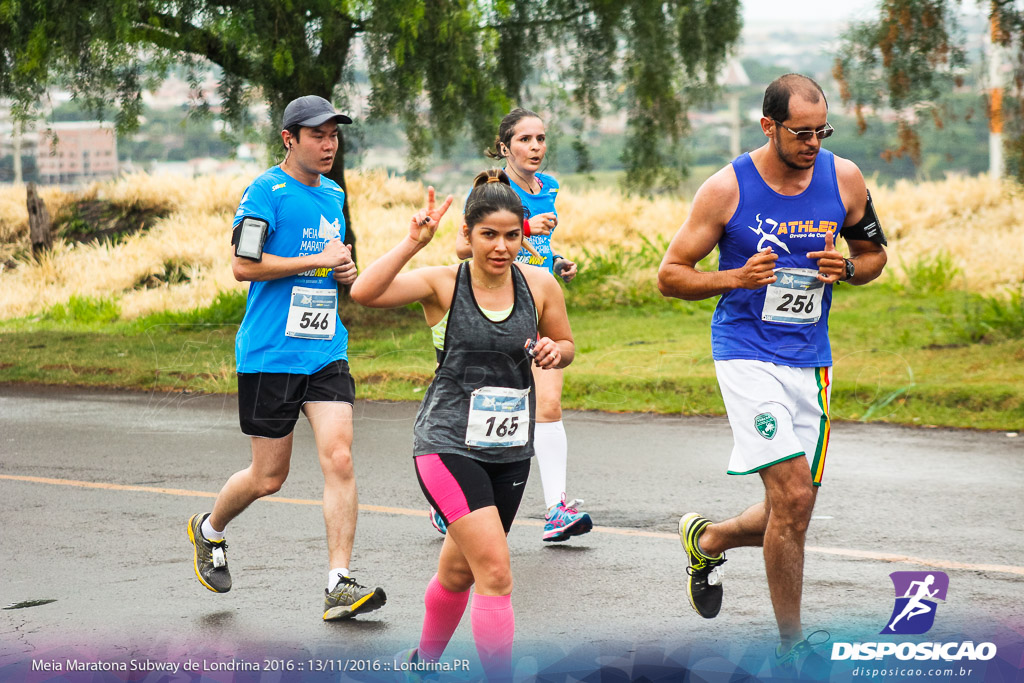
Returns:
(533, 204)
(301, 221)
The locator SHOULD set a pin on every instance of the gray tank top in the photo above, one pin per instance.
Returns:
(480, 354)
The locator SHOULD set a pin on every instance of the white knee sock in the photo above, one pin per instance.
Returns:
(552, 453)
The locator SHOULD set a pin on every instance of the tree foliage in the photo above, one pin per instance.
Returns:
(912, 57)
(441, 66)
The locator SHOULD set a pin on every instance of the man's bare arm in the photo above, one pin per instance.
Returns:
(713, 205)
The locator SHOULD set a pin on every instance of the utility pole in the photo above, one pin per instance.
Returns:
(17, 151)
(733, 78)
(996, 165)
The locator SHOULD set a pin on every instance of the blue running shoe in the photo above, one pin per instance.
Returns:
(565, 520)
(409, 669)
(438, 521)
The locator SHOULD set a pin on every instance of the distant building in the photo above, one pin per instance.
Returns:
(82, 151)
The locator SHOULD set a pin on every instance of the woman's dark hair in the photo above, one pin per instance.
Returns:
(776, 97)
(505, 129)
(491, 192)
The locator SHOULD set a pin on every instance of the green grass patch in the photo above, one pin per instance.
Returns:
(937, 273)
(927, 355)
(227, 308)
(84, 311)
(161, 358)
(626, 279)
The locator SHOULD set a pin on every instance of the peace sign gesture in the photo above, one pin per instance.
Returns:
(424, 223)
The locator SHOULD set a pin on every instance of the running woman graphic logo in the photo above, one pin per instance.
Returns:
(766, 425)
(916, 593)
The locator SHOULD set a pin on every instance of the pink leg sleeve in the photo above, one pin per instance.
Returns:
(494, 624)
(444, 611)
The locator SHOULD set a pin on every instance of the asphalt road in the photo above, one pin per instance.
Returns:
(97, 488)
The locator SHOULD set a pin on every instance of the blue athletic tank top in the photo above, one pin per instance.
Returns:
(533, 204)
(791, 226)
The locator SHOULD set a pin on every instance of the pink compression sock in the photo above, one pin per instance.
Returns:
(444, 611)
(494, 624)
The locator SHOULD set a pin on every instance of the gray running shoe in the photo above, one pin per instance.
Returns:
(704, 587)
(349, 599)
(209, 558)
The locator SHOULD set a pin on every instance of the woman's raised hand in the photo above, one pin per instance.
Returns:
(424, 223)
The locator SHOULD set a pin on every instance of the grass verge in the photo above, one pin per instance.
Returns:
(928, 356)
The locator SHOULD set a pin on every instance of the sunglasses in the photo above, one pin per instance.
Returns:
(805, 135)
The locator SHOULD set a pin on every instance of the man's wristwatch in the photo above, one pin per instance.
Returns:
(849, 270)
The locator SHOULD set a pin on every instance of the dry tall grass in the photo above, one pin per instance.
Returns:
(977, 222)
(194, 233)
(972, 220)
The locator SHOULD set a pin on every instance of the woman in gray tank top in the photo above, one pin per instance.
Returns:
(473, 437)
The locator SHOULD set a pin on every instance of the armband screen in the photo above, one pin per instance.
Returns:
(867, 228)
(248, 238)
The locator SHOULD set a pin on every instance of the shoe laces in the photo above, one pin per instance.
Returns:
(711, 568)
(803, 647)
(819, 637)
(561, 515)
(572, 507)
(347, 584)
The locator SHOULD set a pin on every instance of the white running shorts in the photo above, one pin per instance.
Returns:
(776, 413)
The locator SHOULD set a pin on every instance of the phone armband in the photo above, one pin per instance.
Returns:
(249, 236)
(867, 228)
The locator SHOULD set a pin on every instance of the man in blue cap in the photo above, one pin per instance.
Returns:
(291, 350)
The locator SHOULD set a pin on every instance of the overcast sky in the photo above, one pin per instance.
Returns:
(805, 11)
(816, 10)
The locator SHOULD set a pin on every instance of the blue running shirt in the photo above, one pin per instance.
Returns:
(302, 219)
(781, 332)
(533, 204)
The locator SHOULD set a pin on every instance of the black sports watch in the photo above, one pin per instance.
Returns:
(850, 269)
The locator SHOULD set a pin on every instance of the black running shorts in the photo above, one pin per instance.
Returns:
(269, 402)
(456, 485)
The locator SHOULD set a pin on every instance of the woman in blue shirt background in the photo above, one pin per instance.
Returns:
(522, 143)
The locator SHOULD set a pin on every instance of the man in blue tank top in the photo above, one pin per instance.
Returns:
(774, 214)
(291, 350)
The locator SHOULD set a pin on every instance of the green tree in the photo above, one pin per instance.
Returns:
(438, 65)
(911, 58)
